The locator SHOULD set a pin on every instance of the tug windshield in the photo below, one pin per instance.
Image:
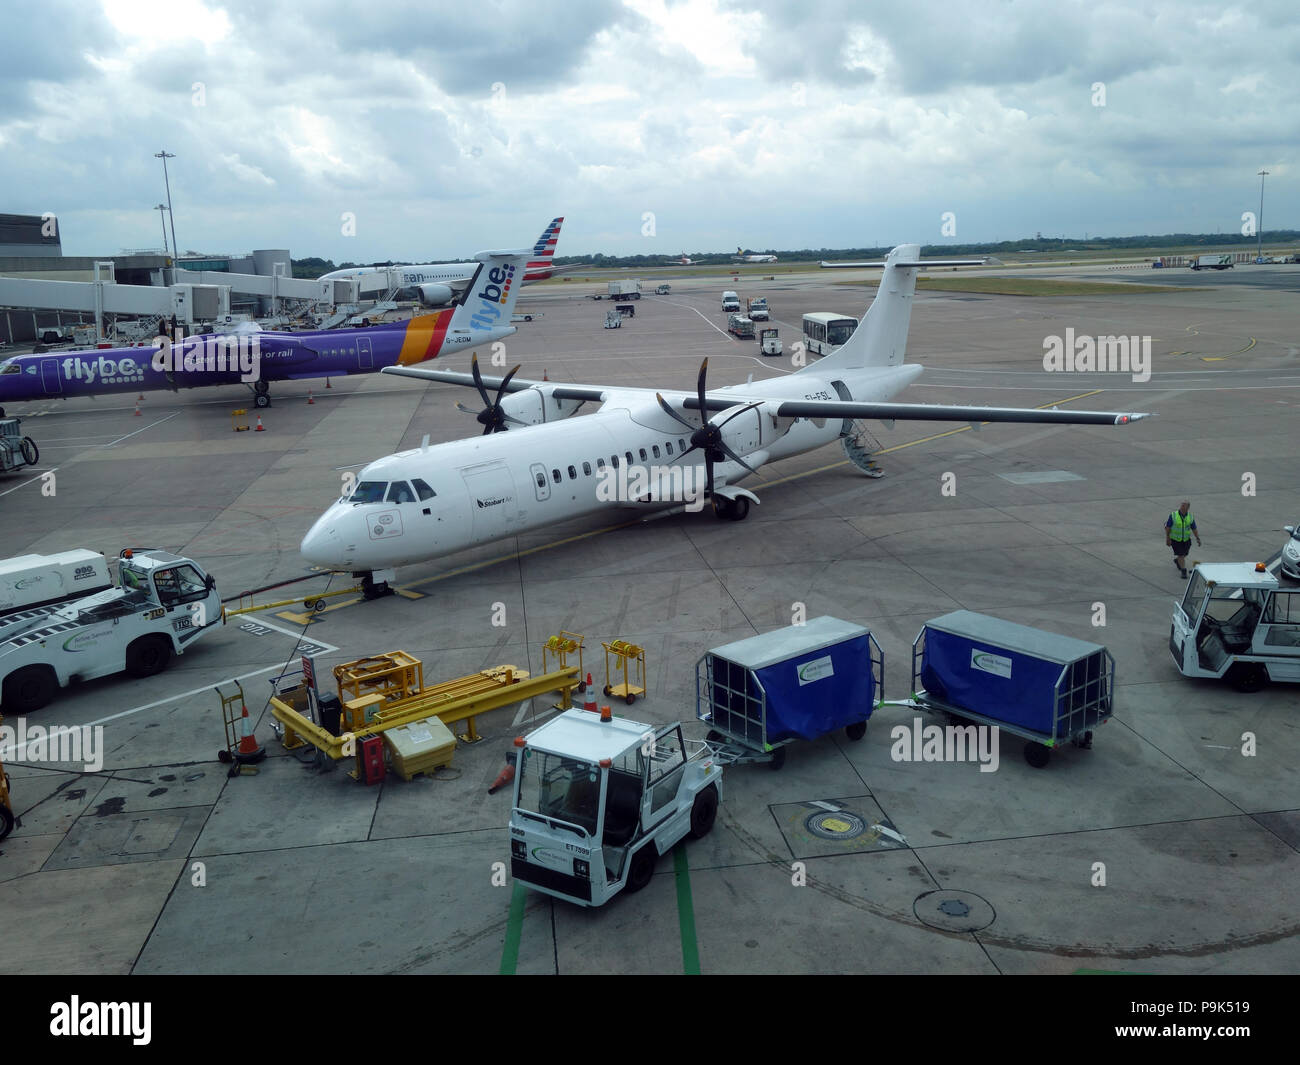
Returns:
(563, 788)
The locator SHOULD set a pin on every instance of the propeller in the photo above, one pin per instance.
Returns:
(707, 437)
(491, 417)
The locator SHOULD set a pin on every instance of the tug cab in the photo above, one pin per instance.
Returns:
(1236, 623)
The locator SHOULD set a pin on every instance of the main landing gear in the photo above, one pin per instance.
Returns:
(373, 589)
(732, 509)
(261, 393)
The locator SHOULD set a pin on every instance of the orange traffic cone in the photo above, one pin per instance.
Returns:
(248, 751)
(505, 776)
(544, 377)
(137, 411)
(589, 699)
(327, 383)
(139, 397)
(259, 428)
(310, 401)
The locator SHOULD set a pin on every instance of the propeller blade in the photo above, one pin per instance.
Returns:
(664, 403)
(478, 380)
(736, 414)
(504, 382)
(734, 457)
(467, 410)
(699, 384)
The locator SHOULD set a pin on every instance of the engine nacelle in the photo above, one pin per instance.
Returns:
(435, 295)
(538, 405)
(753, 430)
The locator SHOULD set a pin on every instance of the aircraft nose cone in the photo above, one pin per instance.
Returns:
(322, 544)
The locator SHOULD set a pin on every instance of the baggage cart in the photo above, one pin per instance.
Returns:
(1040, 686)
(800, 682)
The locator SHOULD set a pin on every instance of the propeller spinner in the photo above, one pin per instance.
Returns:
(491, 417)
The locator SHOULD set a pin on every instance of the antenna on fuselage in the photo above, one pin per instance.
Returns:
(424, 444)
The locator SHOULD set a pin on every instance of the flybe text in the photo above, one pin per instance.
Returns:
(492, 295)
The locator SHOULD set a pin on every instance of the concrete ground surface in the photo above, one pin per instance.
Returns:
(1163, 849)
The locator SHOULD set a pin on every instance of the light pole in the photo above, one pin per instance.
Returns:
(160, 208)
(164, 156)
(1259, 244)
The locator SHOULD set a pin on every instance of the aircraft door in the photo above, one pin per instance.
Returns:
(365, 354)
(50, 377)
(541, 483)
(492, 499)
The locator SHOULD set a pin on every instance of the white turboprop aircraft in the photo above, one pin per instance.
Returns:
(640, 448)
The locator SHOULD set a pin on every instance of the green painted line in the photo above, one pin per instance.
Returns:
(686, 913)
(514, 930)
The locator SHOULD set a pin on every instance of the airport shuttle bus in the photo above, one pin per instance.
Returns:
(823, 332)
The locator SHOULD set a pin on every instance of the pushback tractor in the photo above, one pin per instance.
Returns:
(162, 604)
(1235, 622)
(598, 799)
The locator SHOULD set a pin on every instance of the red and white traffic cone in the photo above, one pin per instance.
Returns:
(248, 751)
(506, 775)
(137, 413)
(259, 428)
(310, 401)
(589, 698)
(544, 376)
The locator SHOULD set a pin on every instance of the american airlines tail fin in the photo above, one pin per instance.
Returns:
(541, 263)
(489, 299)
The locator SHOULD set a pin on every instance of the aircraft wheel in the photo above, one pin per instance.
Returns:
(261, 387)
(739, 509)
(370, 589)
(29, 689)
(722, 507)
(148, 655)
(261, 399)
(643, 868)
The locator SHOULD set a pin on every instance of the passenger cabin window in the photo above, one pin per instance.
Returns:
(682, 444)
(400, 492)
(586, 469)
(629, 457)
(541, 480)
(369, 492)
(423, 490)
(555, 476)
(655, 450)
(573, 474)
(644, 456)
(613, 461)
(669, 445)
(600, 464)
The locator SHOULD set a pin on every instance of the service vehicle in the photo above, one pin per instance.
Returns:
(758, 311)
(627, 310)
(740, 326)
(162, 604)
(597, 800)
(627, 290)
(16, 450)
(1290, 562)
(663, 290)
(1237, 623)
(769, 342)
(1212, 262)
(730, 301)
(824, 332)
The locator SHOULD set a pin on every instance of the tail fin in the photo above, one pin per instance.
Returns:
(539, 266)
(881, 337)
(489, 300)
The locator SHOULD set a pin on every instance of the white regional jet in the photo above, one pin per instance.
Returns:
(639, 448)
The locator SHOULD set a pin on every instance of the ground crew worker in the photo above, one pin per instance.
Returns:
(1180, 527)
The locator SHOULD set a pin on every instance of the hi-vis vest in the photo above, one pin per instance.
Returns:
(1182, 527)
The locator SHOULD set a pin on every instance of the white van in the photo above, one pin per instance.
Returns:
(730, 301)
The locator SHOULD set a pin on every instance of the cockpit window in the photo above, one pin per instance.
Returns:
(423, 490)
(9, 366)
(369, 492)
(400, 492)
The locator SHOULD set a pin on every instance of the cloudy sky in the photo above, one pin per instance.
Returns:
(655, 126)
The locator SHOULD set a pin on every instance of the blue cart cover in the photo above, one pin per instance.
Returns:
(1008, 672)
(817, 677)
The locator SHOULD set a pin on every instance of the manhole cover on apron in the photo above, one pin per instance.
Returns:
(953, 911)
(840, 824)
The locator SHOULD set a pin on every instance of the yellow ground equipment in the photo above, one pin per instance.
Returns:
(622, 652)
(239, 420)
(383, 692)
(560, 647)
(6, 806)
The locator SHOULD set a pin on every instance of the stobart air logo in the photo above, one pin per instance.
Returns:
(492, 296)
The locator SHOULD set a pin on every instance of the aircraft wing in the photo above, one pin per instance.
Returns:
(517, 384)
(799, 408)
(924, 412)
(922, 265)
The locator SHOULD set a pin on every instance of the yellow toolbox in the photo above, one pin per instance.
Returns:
(420, 747)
